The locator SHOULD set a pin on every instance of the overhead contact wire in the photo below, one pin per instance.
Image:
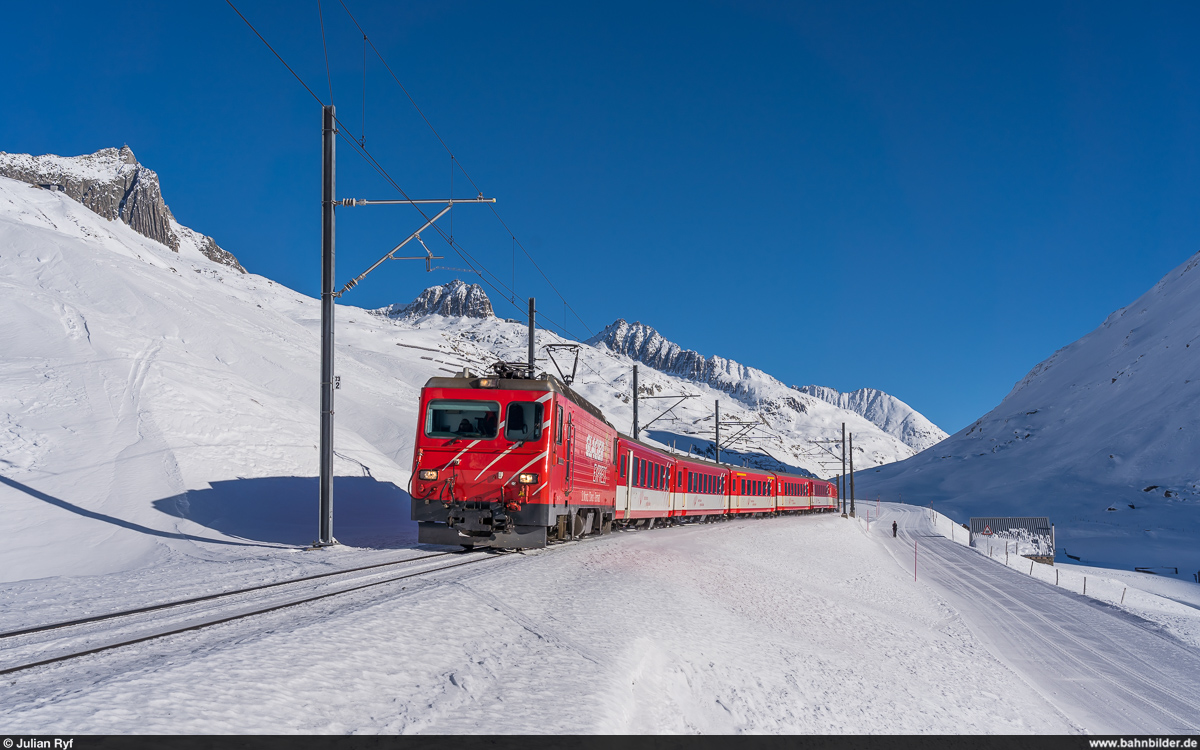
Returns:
(370, 159)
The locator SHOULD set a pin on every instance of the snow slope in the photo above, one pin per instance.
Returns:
(700, 629)
(147, 397)
(1102, 437)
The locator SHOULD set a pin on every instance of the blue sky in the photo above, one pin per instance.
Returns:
(924, 198)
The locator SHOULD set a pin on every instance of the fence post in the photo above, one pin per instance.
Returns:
(1031, 567)
(1056, 576)
(1085, 585)
(1123, 594)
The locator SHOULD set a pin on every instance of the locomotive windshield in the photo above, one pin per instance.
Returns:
(523, 421)
(461, 419)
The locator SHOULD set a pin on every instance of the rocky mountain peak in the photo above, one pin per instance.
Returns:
(454, 299)
(114, 185)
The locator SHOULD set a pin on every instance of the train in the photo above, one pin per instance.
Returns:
(516, 461)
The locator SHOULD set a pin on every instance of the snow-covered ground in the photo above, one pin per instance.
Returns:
(770, 625)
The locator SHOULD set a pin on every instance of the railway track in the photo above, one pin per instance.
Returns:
(41, 645)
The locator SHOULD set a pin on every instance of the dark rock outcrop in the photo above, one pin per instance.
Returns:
(113, 184)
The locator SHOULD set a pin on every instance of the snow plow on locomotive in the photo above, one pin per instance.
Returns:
(513, 461)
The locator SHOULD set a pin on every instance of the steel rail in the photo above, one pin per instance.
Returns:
(231, 618)
(210, 597)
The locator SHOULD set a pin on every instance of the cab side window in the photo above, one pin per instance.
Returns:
(558, 424)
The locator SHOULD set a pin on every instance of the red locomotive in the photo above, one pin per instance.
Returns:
(506, 460)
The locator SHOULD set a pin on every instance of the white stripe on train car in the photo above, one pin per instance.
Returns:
(536, 458)
(494, 460)
(544, 398)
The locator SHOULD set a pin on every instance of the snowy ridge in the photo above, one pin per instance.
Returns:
(644, 344)
(1101, 436)
(112, 183)
(891, 414)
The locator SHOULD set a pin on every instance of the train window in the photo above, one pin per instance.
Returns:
(623, 467)
(636, 465)
(558, 425)
(615, 452)
(462, 419)
(523, 421)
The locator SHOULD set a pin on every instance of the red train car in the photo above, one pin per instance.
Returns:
(507, 461)
(702, 488)
(510, 461)
(752, 491)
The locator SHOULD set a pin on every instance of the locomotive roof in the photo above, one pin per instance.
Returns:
(542, 383)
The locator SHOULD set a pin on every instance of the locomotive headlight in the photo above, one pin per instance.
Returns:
(427, 475)
(527, 478)
(488, 382)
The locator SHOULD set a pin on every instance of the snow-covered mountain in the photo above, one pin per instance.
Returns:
(891, 414)
(112, 183)
(644, 344)
(1102, 437)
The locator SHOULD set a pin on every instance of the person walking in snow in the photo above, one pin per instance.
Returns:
(893, 529)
